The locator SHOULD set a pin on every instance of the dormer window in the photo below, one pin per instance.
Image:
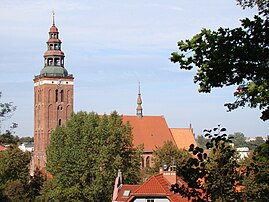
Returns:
(126, 193)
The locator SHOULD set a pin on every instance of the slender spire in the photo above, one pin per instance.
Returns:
(139, 109)
(53, 15)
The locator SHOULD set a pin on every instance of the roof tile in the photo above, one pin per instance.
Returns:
(152, 131)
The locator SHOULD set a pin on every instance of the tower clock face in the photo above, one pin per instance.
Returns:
(59, 83)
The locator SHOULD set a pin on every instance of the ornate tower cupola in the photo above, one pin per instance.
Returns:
(54, 56)
(53, 101)
(139, 104)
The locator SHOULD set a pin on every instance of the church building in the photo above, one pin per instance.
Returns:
(53, 96)
(53, 105)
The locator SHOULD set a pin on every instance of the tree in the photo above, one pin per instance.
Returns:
(253, 144)
(238, 56)
(170, 155)
(8, 138)
(214, 176)
(6, 111)
(201, 141)
(238, 139)
(15, 191)
(256, 181)
(14, 171)
(85, 155)
(26, 139)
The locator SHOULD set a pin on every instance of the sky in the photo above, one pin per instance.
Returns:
(109, 47)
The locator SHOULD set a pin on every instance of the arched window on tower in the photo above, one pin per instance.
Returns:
(56, 95)
(51, 47)
(49, 94)
(57, 61)
(60, 122)
(148, 162)
(62, 95)
(49, 61)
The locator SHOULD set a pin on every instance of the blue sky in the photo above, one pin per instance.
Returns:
(112, 45)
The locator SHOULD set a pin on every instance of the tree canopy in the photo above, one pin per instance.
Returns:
(256, 181)
(84, 157)
(215, 176)
(6, 111)
(14, 173)
(238, 56)
(170, 155)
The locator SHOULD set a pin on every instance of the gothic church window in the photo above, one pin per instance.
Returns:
(56, 95)
(62, 95)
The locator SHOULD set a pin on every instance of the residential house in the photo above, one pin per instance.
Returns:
(155, 189)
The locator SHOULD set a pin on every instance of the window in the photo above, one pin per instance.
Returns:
(148, 162)
(62, 95)
(60, 122)
(150, 200)
(56, 95)
(126, 193)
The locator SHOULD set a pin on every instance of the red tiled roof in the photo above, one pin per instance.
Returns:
(152, 131)
(183, 137)
(2, 148)
(158, 186)
(132, 189)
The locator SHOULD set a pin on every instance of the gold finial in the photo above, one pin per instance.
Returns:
(53, 14)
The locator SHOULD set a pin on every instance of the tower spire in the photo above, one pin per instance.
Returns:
(53, 15)
(139, 109)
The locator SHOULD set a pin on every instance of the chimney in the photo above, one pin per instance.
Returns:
(170, 175)
(117, 186)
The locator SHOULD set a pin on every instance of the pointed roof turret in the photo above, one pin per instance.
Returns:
(54, 56)
(139, 110)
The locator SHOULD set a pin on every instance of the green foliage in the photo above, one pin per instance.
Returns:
(14, 172)
(226, 57)
(14, 165)
(239, 140)
(85, 155)
(263, 5)
(256, 181)
(202, 141)
(16, 191)
(170, 155)
(6, 111)
(8, 138)
(26, 139)
(214, 176)
(253, 144)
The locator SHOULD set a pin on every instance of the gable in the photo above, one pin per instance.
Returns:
(183, 137)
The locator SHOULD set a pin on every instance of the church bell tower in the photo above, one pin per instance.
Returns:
(53, 96)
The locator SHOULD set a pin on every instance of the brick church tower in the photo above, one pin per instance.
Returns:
(53, 97)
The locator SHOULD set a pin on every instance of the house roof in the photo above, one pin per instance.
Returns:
(183, 137)
(2, 148)
(124, 188)
(152, 131)
(156, 186)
